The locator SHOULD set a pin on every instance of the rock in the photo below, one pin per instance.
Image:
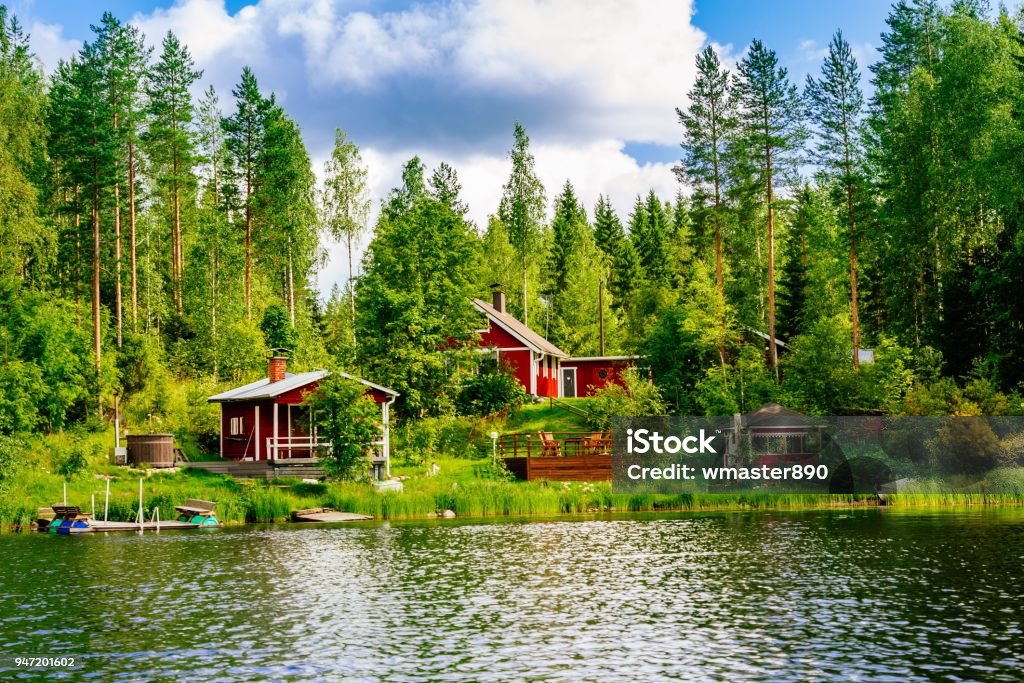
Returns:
(449, 514)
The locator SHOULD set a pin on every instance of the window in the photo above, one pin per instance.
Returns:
(236, 426)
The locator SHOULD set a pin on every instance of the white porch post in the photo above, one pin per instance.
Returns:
(256, 455)
(386, 418)
(533, 375)
(277, 434)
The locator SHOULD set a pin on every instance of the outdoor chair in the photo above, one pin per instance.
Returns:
(550, 446)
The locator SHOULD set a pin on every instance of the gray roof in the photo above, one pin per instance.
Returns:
(519, 330)
(264, 388)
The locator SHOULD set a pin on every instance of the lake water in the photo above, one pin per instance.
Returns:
(851, 595)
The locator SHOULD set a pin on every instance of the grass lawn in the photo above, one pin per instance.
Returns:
(534, 417)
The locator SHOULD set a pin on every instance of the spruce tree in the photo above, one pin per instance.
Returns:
(171, 142)
(836, 106)
(244, 135)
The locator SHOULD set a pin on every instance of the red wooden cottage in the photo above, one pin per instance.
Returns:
(268, 419)
(542, 368)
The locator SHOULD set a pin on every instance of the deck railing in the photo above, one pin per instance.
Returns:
(554, 444)
(307, 447)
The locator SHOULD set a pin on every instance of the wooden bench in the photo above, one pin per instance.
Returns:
(196, 506)
(69, 512)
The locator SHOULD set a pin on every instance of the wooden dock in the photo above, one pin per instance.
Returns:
(327, 515)
(169, 525)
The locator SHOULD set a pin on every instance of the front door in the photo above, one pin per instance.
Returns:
(569, 382)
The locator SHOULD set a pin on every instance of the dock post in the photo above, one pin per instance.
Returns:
(92, 510)
(158, 519)
(140, 505)
(106, 501)
(65, 494)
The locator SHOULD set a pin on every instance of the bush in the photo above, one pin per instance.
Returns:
(636, 397)
(350, 422)
(493, 390)
(967, 445)
(11, 452)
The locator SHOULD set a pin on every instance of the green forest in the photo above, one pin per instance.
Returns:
(851, 244)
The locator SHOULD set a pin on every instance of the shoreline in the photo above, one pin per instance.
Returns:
(698, 503)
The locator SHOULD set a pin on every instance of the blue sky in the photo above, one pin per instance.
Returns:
(595, 83)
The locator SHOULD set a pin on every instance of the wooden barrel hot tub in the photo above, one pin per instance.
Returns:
(155, 450)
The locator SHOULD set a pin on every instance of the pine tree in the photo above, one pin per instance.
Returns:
(522, 206)
(123, 59)
(285, 198)
(171, 141)
(244, 135)
(836, 104)
(771, 132)
(445, 188)
(708, 125)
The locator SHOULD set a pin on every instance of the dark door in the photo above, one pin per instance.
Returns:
(569, 382)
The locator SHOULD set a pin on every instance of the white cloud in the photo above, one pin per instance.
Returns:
(50, 45)
(446, 80)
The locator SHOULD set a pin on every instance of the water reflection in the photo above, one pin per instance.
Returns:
(867, 595)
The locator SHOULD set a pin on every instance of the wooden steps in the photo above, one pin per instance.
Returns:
(305, 468)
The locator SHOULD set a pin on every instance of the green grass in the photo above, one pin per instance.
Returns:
(534, 417)
(469, 487)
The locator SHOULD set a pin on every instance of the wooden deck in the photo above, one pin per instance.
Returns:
(557, 468)
(298, 468)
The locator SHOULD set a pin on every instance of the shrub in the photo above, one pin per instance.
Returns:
(636, 397)
(492, 390)
(967, 445)
(349, 421)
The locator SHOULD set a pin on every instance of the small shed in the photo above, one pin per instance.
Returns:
(581, 377)
(270, 420)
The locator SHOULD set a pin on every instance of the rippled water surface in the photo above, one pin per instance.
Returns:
(854, 595)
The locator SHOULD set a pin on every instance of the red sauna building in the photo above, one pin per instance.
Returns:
(542, 368)
(268, 419)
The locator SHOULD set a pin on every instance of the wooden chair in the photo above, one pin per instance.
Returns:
(596, 444)
(550, 446)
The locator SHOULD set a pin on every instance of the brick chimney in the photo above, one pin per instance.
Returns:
(276, 366)
(498, 298)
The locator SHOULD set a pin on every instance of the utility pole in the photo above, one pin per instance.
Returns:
(600, 310)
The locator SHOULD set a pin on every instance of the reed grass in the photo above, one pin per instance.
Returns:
(467, 487)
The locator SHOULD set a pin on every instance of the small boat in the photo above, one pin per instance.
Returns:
(198, 512)
(69, 519)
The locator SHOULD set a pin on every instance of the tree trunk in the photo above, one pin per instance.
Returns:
(78, 260)
(853, 280)
(179, 261)
(719, 275)
(773, 354)
(131, 236)
(96, 336)
(526, 317)
(351, 288)
(117, 264)
(291, 286)
(248, 249)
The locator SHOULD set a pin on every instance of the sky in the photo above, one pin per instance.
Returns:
(595, 83)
